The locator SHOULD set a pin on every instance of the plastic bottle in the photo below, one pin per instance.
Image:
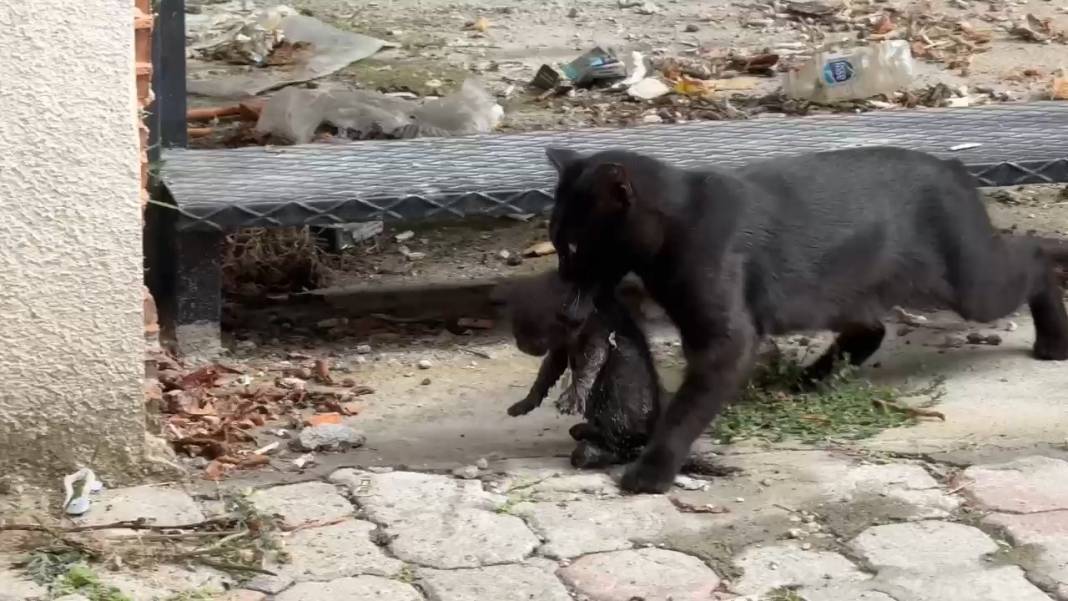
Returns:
(853, 74)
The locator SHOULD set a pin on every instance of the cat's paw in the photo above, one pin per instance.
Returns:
(646, 476)
(1053, 348)
(522, 408)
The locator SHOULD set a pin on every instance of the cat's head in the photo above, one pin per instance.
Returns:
(605, 222)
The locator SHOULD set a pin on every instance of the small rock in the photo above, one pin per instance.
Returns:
(796, 533)
(329, 437)
(333, 322)
(482, 463)
(692, 28)
(688, 483)
(514, 260)
(647, 8)
(467, 472)
(424, 364)
(363, 349)
(409, 234)
(504, 255)
(425, 382)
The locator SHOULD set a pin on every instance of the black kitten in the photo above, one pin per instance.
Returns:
(614, 383)
(828, 240)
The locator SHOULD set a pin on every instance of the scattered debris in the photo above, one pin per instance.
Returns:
(541, 249)
(647, 8)
(687, 507)
(987, 339)
(1033, 29)
(296, 115)
(547, 78)
(309, 49)
(424, 364)
(482, 463)
(404, 236)
(597, 65)
(648, 89)
(77, 488)
(1060, 85)
(467, 472)
(688, 483)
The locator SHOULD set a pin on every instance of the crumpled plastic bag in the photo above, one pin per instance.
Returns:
(294, 114)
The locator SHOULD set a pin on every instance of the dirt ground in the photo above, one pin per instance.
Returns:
(437, 49)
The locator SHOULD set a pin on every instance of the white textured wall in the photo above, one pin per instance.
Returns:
(71, 341)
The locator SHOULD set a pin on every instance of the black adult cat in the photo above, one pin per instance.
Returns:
(827, 240)
(614, 383)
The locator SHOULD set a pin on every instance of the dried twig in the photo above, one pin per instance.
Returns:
(139, 524)
(910, 411)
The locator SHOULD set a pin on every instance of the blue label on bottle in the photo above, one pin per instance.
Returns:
(837, 71)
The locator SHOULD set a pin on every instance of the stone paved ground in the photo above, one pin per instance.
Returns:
(811, 525)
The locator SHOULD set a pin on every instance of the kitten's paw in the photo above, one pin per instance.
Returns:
(522, 408)
(644, 476)
(1051, 349)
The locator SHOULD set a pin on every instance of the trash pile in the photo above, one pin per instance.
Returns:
(210, 414)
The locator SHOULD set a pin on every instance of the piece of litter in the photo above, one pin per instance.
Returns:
(267, 448)
(77, 488)
(648, 89)
(965, 146)
(404, 236)
(304, 460)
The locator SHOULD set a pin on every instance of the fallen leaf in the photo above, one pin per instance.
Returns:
(323, 418)
(1060, 86)
(884, 25)
(689, 86)
(216, 470)
(480, 24)
(541, 249)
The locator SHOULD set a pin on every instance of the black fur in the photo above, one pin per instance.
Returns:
(613, 374)
(821, 241)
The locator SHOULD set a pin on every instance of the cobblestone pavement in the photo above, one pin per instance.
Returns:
(811, 525)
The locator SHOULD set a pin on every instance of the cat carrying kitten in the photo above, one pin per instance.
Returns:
(822, 241)
(614, 383)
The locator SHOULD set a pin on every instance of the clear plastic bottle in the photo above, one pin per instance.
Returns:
(853, 74)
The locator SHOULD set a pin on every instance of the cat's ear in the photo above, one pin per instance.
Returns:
(614, 189)
(561, 157)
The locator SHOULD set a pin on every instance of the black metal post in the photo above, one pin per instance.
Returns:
(168, 77)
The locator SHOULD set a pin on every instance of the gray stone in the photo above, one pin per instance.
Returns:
(467, 472)
(156, 504)
(300, 504)
(336, 551)
(393, 497)
(1025, 485)
(932, 546)
(464, 538)
(329, 437)
(1046, 536)
(1002, 584)
(582, 527)
(272, 585)
(496, 583)
(650, 574)
(907, 483)
(769, 567)
(360, 588)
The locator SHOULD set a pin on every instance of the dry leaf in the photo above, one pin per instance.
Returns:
(690, 86)
(323, 418)
(1060, 86)
(322, 371)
